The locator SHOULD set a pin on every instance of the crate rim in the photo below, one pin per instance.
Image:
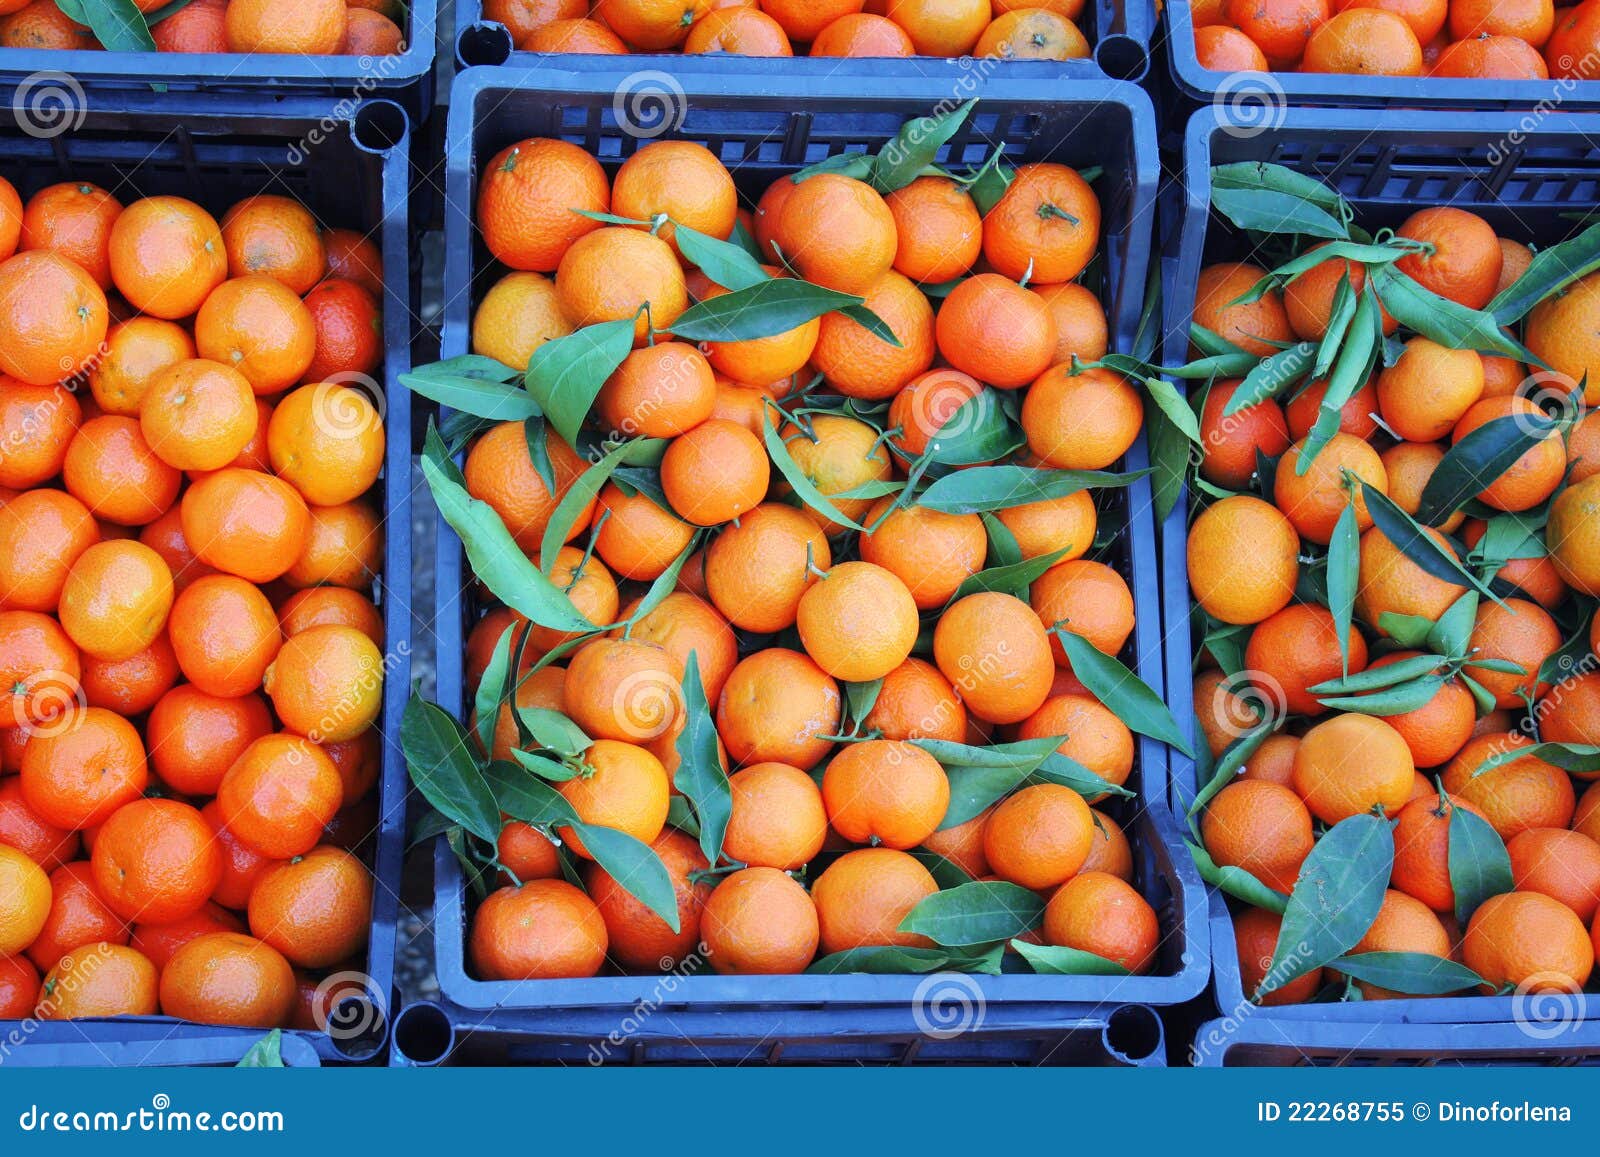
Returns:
(1186, 982)
(1132, 32)
(1271, 91)
(1189, 240)
(174, 1042)
(98, 71)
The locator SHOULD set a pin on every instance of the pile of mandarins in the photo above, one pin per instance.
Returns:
(1475, 39)
(769, 652)
(188, 647)
(298, 27)
(1005, 29)
(1396, 587)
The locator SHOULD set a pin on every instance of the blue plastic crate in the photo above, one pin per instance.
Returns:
(351, 171)
(761, 136)
(1118, 30)
(1526, 180)
(72, 80)
(430, 1033)
(1260, 97)
(1263, 1040)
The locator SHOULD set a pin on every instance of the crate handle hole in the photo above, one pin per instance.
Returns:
(423, 1034)
(1122, 57)
(380, 125)
(484, 43)
(1133, 1033)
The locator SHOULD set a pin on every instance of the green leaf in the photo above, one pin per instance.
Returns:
(1579, 758)
(1340, 315)
(982, 432)
(574, 502)
(1407, 630)
(1012, 580)
(117, 24)
(1452, 633)
(1551, 270)
(538, 442)
(1335, 899)
(1269, 210)
(160, 14)
(700, 776)
(872, 323)
(524, 795)
(857, 165)
(980, 775)
(1427, 552)
(976, 913)
(771, 307)
(945, 873)
(887, 959)
(493, 554)
(1351, 370)
(1281, 179)
(565, 374)
(1567, 660)
(492, 689)
(1441, 320)
(1271, 377)
(1374, 678)
(1236, 882)
(1174, 406)
(1234, 757)
(1481, 697)
(1067, 772)
(1059, 960)
(989, 488)
(725, 263)
(1128, 696)
(1396, 700)
(1473, 464)
(860, 698)
(495, 400)
(1412, 972)
(1169, 462)
(914, 148)
(1479, 865)
(544, 767)
(796, 478)
(1003, 548)
(440, 760)
(634, 866)
(553, 731)
(266, 1053)
(430, 826)
(1509, 536)
(1344, 577)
